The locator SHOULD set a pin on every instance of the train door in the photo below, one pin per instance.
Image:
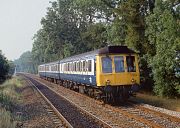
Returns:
(104, 70)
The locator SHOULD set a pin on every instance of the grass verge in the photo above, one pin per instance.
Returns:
(171, 104)
(9, 99)
(6, 120)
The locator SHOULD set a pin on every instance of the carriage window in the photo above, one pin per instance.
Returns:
(81, 65)
(75, 66)
(89, 65)
(119, 64)
(84, 65)
(47, 68)
(130, 60)
(78, 66)
(65, 67)
(94, 66)
(70, 67)
(106, 64)
(51, 68)
(56, 68)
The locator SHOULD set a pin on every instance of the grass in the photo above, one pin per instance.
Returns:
(9, 99)
(171, 104)
(6, 119)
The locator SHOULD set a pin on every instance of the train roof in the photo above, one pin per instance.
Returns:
(105, 50)
(55, 62)
(115, 50)
(92, 54)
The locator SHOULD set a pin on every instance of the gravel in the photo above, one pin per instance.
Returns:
(163, 110)
(73, 115)
(31, 111)
(109, 116)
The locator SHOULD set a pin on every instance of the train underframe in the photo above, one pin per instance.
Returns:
(108, 94)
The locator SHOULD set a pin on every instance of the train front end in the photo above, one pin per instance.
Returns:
(117, 72)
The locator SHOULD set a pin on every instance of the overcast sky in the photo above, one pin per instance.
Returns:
(19, 21)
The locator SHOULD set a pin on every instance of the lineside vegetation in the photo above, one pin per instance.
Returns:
(9, 99)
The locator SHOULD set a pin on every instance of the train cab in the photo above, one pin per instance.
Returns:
(117, 70)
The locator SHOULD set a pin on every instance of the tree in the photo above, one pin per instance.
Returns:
(95, 37)
(128, 28)
(70, 28)
(11, 68)
(4, 67)
(25, 63)
(162, 31)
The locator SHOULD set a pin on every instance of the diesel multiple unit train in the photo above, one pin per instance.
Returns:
(110, 73)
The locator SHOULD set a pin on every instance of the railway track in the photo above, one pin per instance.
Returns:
(165, 119)
(130, 115)
(58, 119)
(71, 114)
(150, 117)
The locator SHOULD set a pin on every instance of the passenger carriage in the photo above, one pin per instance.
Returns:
(112, 70)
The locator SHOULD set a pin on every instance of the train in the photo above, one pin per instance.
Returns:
(110, 73)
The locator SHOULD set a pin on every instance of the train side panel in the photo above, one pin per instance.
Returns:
(52, 70)
(78, 78)
(41, 71)
(78, 74)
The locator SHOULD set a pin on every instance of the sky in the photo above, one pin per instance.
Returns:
(19, 21)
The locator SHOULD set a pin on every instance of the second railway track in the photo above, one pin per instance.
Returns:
(75, 116)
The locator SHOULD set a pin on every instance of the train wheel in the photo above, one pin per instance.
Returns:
(125, 94)
(109, 97)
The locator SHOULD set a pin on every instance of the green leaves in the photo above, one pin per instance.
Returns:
(162, 31)
(4, 67)
(25, 63)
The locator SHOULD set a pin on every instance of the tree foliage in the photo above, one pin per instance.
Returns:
(25, 63)
(11, 68)
(4, 67)
(163, 33)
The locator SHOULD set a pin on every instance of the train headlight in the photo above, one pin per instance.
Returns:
(133, 80)
(107, 82)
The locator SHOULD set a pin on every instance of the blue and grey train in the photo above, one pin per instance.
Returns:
(111, 72)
